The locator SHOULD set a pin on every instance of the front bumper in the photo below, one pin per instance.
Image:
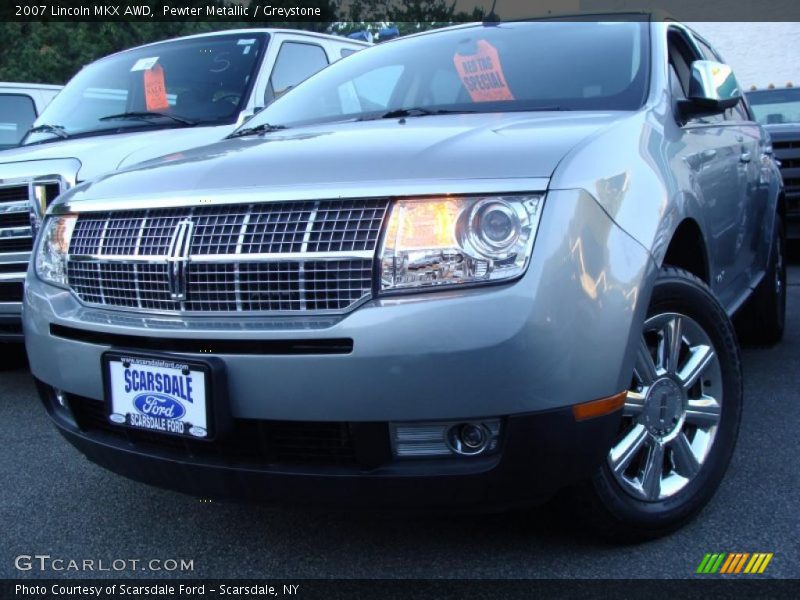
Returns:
(526, 352)
(540, 453)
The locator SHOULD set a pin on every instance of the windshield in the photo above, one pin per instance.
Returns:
(203, 80)
(776, 106)
(484, 68)
(17, 114)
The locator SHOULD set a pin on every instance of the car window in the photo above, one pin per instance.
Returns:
(681, 56)
(512, 67)
(368, 92)
(296, 62)
(772, 107)
(17, 114)
(204, 79)
(707, 51)
(347, 52)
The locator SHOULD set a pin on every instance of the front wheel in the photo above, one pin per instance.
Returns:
(680, 420)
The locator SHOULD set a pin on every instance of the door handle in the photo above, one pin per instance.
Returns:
(745, 157)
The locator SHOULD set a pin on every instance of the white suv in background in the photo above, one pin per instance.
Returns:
(143, 103)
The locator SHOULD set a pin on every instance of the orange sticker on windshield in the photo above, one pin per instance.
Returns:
(155, 91)
(482, 74)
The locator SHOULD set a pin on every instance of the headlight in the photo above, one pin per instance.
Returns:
(452, 241)
(51, 256)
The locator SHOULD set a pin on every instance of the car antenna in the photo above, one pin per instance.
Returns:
(491, 18)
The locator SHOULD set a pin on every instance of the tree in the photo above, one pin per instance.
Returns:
(409, 16)
(53, 51)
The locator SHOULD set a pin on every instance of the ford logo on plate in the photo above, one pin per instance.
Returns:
(158, 405)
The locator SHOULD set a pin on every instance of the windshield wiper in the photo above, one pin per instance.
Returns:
(418, 112)
(263, 128)
(56, 129)
(146, 115)
(424, 112)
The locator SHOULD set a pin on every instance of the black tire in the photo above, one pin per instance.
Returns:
(762, 319)
(602, 500)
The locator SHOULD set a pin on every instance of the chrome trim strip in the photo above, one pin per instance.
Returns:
(237, 280)
(15, 206)
(301, 271)
(135, 267)
(15, 257)
(12, 276)
(229, 258)
(343, 191)
(233, 315)
(15, 232)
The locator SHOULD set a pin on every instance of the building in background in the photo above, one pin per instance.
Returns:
(760, 53)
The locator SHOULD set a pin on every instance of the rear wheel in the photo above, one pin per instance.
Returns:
(680, 421)
(761, 321)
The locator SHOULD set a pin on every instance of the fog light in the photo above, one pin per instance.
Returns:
(61, 399)
(468, 438)
(445, 438)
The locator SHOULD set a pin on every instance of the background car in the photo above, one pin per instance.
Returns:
(139, 104)
(778, 109)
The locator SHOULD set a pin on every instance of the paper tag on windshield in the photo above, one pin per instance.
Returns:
(144, 64)
(482, 74)
(155, 90)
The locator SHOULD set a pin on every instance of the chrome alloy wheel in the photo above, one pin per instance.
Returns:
(672, 410)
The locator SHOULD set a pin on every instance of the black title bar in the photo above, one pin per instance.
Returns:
(330, 11)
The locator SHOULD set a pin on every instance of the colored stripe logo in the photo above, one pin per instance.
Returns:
(732, 563)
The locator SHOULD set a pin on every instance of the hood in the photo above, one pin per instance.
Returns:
(417, 149)
(101, 154)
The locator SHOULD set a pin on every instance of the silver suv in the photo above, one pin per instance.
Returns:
(466, 269)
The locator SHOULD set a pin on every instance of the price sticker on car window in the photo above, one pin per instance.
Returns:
(143, 64)
(155, 90)
(482, 74)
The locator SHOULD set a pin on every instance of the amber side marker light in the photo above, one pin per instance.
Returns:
(599, 408)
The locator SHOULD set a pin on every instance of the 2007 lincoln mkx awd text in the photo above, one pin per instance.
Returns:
(467, 268)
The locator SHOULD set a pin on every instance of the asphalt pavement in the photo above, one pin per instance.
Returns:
(54, 502)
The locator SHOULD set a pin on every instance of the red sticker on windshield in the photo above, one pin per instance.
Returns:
(482, 74)
(155, 91)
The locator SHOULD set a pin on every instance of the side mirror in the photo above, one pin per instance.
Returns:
(712, 87)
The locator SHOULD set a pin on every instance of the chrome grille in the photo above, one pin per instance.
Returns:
(15, 225)
(261, 257)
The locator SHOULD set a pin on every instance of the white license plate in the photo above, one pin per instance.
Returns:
(158, 395)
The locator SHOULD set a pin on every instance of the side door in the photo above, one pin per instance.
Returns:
(295, 60)
(711, 152)
(750, 245)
